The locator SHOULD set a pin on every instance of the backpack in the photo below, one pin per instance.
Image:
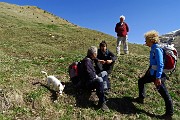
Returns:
(170, 57)
(75, 73)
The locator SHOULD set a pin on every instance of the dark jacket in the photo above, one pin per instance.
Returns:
(88, 72)
(121, 30)
(108, 55)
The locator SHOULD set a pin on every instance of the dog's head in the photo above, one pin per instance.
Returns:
(61, 88)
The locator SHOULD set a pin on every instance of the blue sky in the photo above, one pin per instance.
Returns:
(102, 15)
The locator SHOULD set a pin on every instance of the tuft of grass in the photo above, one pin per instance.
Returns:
(34, 95)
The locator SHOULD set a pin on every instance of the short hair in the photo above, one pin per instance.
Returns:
(122, 16)
(92, 50)
(103, 43)
(152, 36)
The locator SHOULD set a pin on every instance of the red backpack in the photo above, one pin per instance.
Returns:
(170, 57)
(75, 72)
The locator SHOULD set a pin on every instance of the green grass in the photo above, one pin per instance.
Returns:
(26, 48)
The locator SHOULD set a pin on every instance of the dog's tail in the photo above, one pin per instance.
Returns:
(44, 73)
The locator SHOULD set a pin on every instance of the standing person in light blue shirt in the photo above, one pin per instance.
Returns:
(155, 73)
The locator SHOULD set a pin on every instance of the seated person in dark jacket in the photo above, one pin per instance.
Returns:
(106, 59)
(92, 80)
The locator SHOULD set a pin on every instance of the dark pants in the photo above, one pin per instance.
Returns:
(147, 78)
(97, 84)
(108, 67)
(106, 82)
(104, 67)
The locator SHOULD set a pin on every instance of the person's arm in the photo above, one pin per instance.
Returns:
(113, 57)
(159, 60)
(160, 65)
(116, 28)
(127, 27)
(90, 69)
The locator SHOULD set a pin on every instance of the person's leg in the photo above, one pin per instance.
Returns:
(125, 45)
(98, 82)
(109, 67)
(147, 78)
(167, 98)
(118, 45)
(104, 76)
(141, 88)
(99, 86)
(141, 82)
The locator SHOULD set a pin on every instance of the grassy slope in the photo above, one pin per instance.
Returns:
(26, 48)
(177, 44)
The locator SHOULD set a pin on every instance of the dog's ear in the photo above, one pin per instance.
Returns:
(63, 83)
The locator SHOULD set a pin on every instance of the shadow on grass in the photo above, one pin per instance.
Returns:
(53, 96)
(125, 106)
(122, 105)
(81, 96)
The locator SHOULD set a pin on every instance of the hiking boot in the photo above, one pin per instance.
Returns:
(139, 100)
(109, 78)
(126, 52)
(166, 116)
(104, 107)
(107, 91)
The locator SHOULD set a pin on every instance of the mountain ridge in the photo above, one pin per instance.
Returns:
(31, 14)
(172, 37)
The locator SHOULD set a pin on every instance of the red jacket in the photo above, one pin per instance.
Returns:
(121, 30)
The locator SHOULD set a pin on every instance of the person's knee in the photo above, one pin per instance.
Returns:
(99, 79)
(140, 80)
(104, 73)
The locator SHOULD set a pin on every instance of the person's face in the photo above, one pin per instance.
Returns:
(148, 43)
(121, 19)
(103, 48)
(94, 56)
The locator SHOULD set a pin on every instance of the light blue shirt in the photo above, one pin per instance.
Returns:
(156, 59)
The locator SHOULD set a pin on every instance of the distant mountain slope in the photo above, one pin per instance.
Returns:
(29, 14)
(174, 37)
(29, 23)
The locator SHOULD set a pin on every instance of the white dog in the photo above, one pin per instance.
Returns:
(57, 85)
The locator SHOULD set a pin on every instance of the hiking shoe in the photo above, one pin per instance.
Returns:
(109, 78)
(104, 107)
(166, 116)
(126, 52)
(107, 91)
(139, 100)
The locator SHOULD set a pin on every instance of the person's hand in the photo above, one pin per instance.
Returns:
(157, 82)
(108, 61)
(102, 61)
